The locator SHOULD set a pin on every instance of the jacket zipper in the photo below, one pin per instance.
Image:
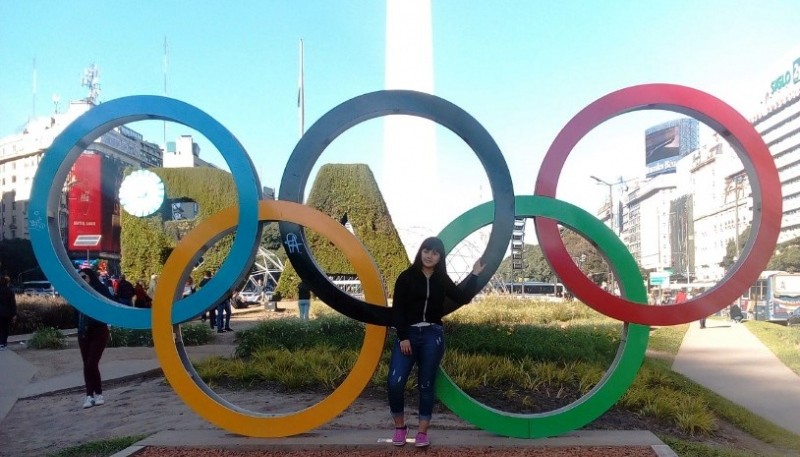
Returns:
(427, 295)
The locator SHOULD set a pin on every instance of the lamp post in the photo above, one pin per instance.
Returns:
(610, 222)
(610, 199)
(738, 187)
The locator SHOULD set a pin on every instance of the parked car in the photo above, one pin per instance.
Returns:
(42, 288)
(794, 317)
(248, 296)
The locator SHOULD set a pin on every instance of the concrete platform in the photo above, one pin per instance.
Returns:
(378, 439)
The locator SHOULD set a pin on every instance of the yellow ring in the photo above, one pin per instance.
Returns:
(196, 394)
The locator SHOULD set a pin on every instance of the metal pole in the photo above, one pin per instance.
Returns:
(737, 183)
(610, 223)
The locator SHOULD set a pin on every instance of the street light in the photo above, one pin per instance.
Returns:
(610, 222)
(610, 199)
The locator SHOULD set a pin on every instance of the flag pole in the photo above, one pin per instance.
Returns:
(301, 102)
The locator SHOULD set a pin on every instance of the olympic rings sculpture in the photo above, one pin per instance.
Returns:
(169, 310)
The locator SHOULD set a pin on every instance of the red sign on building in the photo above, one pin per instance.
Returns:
(92, 204)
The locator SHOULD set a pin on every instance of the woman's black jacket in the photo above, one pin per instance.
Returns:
(418, 298)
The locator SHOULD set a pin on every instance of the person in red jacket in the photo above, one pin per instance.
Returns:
(141, 299)
(418, 306)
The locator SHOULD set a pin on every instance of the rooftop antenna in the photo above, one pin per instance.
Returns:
(91, 79)
(56, 99)
(164, 67)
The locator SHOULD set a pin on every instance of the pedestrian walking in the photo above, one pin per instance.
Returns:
(224, 307)
(212, 310)
(303, 300)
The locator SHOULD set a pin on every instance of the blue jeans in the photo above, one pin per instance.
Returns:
(303, 306)
(427, 349)
(224, 305)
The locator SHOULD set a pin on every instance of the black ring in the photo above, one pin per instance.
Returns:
(369, 106)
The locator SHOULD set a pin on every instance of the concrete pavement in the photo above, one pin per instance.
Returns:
(16, 372)
(727, 359)
(359, 440)
(724, 357)
(15, 376)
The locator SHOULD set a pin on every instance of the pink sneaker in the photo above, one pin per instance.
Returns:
(422, 440)
(400, 435)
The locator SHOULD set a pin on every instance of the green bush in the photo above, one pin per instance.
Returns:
(128, 337)
(193, 335)
(196, 334)
(47, 338)
(330, 330)
(37, 312)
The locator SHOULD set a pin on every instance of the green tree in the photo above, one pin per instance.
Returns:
(18, 262)
(731, 252)
(536, 267)
(585, 255)
(786, 257)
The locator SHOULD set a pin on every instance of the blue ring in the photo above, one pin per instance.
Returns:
(56, 164)
(366, 107)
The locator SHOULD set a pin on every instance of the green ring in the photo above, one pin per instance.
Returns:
(630, 353)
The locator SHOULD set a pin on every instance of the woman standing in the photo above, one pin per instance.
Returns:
(417, 311)
(92, 339)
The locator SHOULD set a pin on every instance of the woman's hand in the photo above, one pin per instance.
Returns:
(405, 347)
(478, 267)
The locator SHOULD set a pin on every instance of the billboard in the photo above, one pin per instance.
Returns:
(662, 144)
(93, 209)
(668, 142)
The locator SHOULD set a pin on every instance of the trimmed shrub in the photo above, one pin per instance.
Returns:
(349, 193)
(146, 242)
(129, 337)
(193, 335)
(196, 334)
(47, 338)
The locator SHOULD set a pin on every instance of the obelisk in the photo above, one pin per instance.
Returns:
(409, 181)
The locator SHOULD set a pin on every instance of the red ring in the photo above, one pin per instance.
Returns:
(750, 148)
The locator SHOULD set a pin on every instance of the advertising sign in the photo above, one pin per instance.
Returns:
(666, 143)
(92, 204)
(659, 278)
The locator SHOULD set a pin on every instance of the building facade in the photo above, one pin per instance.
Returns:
(21, 153)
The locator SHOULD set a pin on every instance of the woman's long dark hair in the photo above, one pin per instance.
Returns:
(432, 244)
(94, 281)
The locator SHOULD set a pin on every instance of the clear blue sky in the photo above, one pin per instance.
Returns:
(522, 68)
